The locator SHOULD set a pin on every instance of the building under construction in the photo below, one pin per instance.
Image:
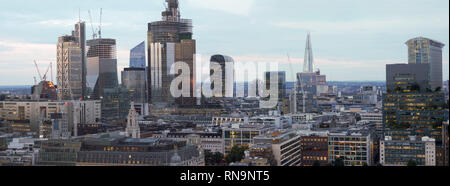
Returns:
(169, 41)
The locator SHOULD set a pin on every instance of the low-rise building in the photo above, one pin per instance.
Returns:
(241, 135)
(211, 141)
(286, 146)
(353, 148)
(314, 149)
(400, 152)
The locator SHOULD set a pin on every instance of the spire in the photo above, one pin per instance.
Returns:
(309, 61)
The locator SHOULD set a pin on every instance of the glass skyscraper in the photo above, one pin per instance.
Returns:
(426, 51)
(169, 41)
(137, 56)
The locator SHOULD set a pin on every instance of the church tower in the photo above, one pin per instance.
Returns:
(133, 130)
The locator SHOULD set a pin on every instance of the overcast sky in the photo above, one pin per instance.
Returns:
(352, 39)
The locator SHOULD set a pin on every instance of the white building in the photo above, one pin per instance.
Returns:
(400, 152)
(79, 112)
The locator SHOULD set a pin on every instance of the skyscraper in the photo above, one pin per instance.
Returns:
(164, 39)
(71, 64)
(410, 108)
(405, 77)
(228, 75)
(137, 56)
(102, 77)
(281, 83)
(426, 51)
(134, 79)
(102, 66)
(308, 64)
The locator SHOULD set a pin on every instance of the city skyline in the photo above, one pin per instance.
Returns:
(361, 41)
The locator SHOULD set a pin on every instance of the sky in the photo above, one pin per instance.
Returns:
(352, 40)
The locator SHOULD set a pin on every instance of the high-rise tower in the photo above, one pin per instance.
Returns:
(71, 64)
(137, 56)
(169, 41)
(308, 63)
(426, 51)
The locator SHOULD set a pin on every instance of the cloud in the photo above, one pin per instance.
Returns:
(368, 25)
(16, 63)
(236, 7)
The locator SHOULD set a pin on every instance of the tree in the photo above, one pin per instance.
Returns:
(236, 155)
(412, 163)
(213, 158)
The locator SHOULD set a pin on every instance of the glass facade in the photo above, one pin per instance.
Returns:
(426, 51)
(163, 36)
(419, 114)
(354, 150)
(137, 56)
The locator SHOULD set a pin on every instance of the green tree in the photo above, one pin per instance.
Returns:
(236, 155)
(412, 163)
(213, 158)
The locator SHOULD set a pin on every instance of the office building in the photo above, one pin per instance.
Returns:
(400, 152)
(286, 146)
(102, 80)
(137, 56)
(39, 113)
(279, 79)
(71, 64)
(135, 80)
(427, 51)
(314, 150)
(208, 141)
(184, 52)
(102, 66)
(407, 78)
(417, 114)
(355, 149)
(223, 65)
(59, 152)
(241, 135)
(165, 45)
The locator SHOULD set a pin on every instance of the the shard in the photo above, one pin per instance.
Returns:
(309, 60)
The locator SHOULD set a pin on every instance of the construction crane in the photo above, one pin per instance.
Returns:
(100, 25)
(98, 32)
(37, 68)
(44, 78)
(94, 34)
